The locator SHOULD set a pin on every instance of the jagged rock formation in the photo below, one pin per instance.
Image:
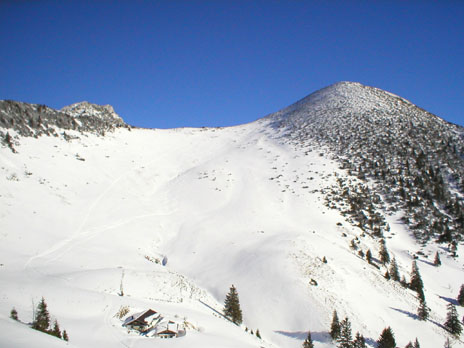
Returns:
(408, 156)
(34, 120)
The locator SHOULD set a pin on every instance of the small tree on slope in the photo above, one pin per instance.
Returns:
(345, 339)
(232, 306)
(65, 336)
(384, 257)
(56, 330)
(461, 296)
(335, 326)
(416, 283)
(359, 341)
(452, 323)
(423, 311)
(14, 314)
(42, 318)
(308, 342)
(436, 260)
(394, 273)
(386, 339)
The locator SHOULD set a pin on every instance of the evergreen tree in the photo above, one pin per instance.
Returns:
(436, 260)
(335, 326)
(232, 306)
(452, 323)
(56, 330)
(42, 317)
(409, 345)
(308, 342)
(394, 273)
(65, 336)
(384, 257)
(258, 334)
(416, 343)
(423, 311)
(416, 283)
(345, 338)
(14, 314)
(461, 296)
(359, 341)
(369, 256)
(386, 339)
(387, 275)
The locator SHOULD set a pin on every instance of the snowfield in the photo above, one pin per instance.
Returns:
(170, 219)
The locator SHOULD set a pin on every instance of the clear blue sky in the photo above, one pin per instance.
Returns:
(165, 64)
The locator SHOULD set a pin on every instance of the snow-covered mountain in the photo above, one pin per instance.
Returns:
(97, 216)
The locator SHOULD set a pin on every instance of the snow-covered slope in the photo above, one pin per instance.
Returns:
(171, 218)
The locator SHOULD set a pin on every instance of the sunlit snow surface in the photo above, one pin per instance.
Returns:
(221, 206)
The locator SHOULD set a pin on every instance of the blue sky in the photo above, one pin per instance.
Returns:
(165, 64)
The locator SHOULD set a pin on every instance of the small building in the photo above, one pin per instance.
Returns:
(166, 334)
(167, 329)
(140, 321)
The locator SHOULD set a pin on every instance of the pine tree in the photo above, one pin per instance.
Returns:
(387, 275)
(308, 342)
(359, 341)
(416, 283)
(409, 345)
(452, 323)
(42, 318)
(384, 257)
(14, 314)
(65, 336)
(461, 296)
(423, 311)
(232, 306)
(258, 334)
(56, 330)
(416, 343)
(394, 273)
(386, 339)
(335, 326)
(369, 256)
(436, 260)
(345, 338)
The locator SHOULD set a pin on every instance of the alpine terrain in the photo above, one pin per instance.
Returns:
(349, 201)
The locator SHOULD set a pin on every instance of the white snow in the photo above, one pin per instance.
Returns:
(82, 220)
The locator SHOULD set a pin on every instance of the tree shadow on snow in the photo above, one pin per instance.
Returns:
(320, 336)
(427, 262)
(450, 300)
(409, 314)
(414, 316)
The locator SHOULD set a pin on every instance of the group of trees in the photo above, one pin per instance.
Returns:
(41, 321)
(340, 332)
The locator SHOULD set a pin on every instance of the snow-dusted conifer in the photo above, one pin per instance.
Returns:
(369, 256)
(461, 296)
(409, 345)
(56, 330)
(232, 306)
(386, 339)
(423, 311)
(14, 314)
(436, 260)
(394, 273)
(65, 336)
(416, 343)
(335, 326)
(345, 338)
(416, 283)
(42, 317)
(258, 334)
(308, 342)
(359, 341)
(384, 257)
(452, 324)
